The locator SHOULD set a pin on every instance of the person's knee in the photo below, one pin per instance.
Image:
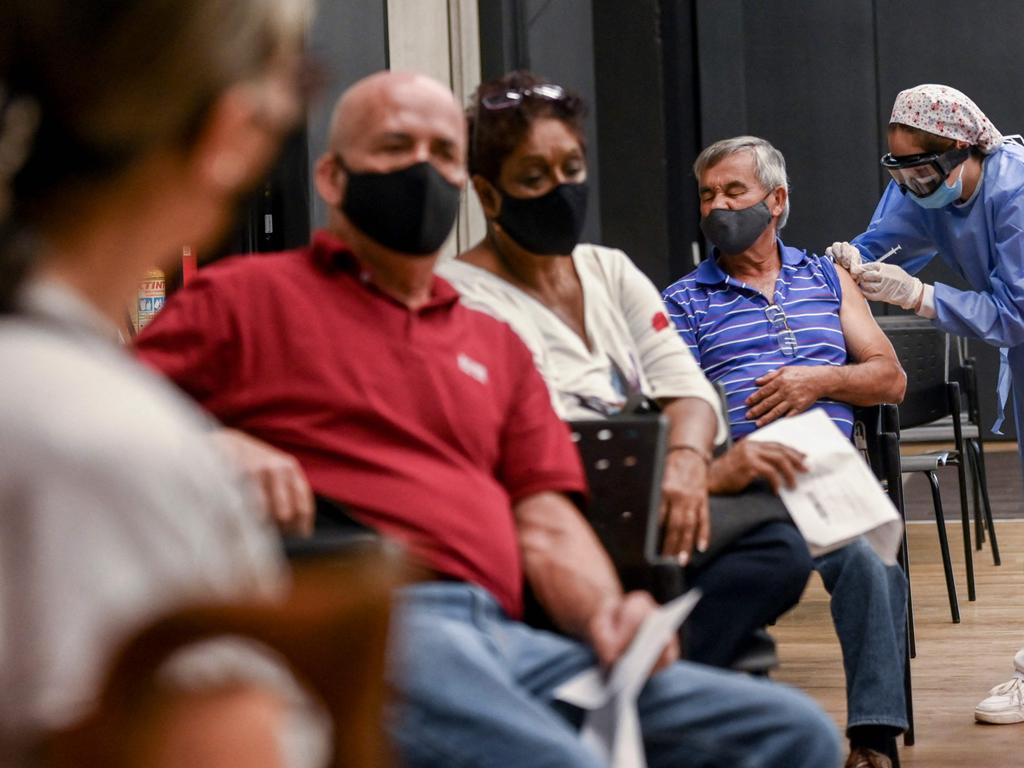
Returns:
(859, 561)
(795, 559)
(426, 653)
(778, 562)
(813, 736)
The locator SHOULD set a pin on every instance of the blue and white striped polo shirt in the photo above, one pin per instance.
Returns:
(727, 327)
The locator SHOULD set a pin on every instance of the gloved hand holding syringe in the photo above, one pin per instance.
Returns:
(848, 256)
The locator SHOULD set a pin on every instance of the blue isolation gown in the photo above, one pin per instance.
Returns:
(983, 241)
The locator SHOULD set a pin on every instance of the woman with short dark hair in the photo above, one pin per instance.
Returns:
(598, 332)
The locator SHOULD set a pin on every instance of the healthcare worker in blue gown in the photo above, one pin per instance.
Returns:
(957, 192)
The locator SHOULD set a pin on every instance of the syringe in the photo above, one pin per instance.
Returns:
(889, 253)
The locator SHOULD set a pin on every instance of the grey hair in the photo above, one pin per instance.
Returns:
(769, 164)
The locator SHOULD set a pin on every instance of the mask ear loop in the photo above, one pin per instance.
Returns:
(959, 177)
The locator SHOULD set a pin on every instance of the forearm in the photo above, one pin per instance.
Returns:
(876, 380)
(692, 421)
(565, 564)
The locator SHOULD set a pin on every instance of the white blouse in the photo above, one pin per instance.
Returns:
(631, 347)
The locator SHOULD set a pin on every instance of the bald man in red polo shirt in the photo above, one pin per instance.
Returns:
(348, 367)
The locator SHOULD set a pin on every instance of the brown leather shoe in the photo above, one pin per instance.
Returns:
(867, 758)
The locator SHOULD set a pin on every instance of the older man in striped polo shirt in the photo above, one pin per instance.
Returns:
(782, 331)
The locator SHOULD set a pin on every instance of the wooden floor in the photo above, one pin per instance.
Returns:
(956, 664)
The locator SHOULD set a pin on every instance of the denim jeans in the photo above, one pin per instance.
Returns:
(756, 580)
(475, 689)
(869, 609)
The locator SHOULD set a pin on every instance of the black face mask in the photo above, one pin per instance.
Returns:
(411, 210)
(735, 231)
(549, 225)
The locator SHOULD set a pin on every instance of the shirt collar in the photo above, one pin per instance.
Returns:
(710, 273)
(332, 254)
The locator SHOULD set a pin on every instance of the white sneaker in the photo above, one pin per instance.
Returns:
(1005, 703)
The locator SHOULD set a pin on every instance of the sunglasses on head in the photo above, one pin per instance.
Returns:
(922, 174)
(513, 97)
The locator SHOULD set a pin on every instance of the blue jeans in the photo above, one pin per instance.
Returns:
(476, 687)
(869, 609)
(752, 583)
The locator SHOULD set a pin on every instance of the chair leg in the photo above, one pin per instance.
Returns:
(947, 563)
(972, 473)
(908, 693)
(904, 562)
(979, 462)
(965, 520)
(894, 483)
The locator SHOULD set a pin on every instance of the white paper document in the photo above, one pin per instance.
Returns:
(838, 498)
(612, 726)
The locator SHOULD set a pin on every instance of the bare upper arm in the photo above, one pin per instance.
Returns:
(864, 339)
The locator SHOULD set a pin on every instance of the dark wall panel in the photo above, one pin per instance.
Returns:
(502, 37)
(800, 74)
(682, 133)
(348, 40)
(554, 39)
(721, 48)
(976, 48)
(560, 46)
(631, 128)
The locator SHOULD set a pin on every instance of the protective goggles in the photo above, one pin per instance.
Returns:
(515, 96)
(922, 174)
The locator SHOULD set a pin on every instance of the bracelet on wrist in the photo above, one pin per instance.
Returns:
(703, 454)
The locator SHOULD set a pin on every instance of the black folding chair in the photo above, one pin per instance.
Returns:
(875, 435)
(623, 458)
(921, 350)
(960, 367)
(335, 533)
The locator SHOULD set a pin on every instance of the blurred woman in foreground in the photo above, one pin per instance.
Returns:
(127, 129)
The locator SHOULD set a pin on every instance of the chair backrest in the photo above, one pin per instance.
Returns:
(922, 351)
(624, 458)
(331, 632)
(875, 434)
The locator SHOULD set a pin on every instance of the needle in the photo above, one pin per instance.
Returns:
(889, 253)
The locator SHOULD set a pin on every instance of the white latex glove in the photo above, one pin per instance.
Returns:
(847, 256)
(891, 284)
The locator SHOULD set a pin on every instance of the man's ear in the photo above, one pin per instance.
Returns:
(781, 195)
(330, 180)
(490, 198)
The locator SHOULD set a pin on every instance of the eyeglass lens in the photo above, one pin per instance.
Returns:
(787, 339)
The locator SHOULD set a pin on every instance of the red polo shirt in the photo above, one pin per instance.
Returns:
(429, 423)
